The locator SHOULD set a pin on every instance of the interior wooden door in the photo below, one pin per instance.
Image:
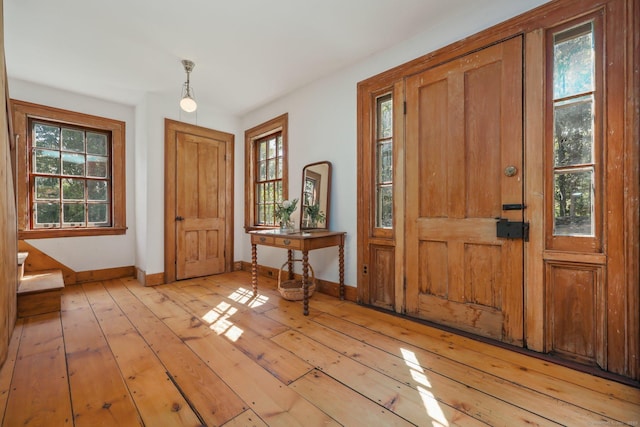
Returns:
(463, 165)
(200, 206)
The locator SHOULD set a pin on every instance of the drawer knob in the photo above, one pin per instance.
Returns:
(286, 241)
(263, 239)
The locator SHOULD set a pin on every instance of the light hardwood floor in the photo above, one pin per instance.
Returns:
(204, 352)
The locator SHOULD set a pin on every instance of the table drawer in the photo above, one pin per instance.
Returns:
(283, 242)
(262, 240)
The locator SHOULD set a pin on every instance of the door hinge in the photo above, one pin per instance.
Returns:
(365, 269)
(405, 107)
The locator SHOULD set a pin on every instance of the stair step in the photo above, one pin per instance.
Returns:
(40, 292)
(22, 257)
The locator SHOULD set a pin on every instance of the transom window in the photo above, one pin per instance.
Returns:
(69, 176)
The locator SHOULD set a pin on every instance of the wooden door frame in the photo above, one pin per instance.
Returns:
(368, 235)
(171, 129)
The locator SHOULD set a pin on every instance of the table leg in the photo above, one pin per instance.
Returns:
(290, 263)
(305, 282)
(254, 268)
(341, 269)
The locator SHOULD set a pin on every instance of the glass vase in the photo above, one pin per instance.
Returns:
(286, 225)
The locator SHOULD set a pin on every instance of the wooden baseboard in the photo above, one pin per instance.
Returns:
(154, 279)
(323, 286)
(104, 274)
(149, 279)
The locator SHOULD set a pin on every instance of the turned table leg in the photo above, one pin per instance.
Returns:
(290, 263)
(254, 269)
(341, 269)
(305, 282)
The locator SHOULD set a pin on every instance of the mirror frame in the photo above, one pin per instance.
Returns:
(317, 168)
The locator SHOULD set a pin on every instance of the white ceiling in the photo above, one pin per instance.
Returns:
(247, 52)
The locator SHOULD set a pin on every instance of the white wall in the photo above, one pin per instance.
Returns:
(90, 252)
(322, 126)
(150, 183)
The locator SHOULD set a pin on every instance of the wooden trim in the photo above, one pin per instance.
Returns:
(534, 188)
(548, 14)
(22, 112)
(617, 145)
(280, 123)
(154, 279)
(104, 274)
(171, 128)
(632, 183)
(363, 169)
(399, 197)
(8, 225)
(149, 279)
(71, 232)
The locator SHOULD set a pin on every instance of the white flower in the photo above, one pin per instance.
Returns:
(286, 204)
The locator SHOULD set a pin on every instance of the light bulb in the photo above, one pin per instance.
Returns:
(188, 104)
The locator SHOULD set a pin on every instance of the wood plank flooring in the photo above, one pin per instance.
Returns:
(205, 352)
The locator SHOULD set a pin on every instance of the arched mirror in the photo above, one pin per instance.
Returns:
(316, 194)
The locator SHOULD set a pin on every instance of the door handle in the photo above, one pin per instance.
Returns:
(179, 218)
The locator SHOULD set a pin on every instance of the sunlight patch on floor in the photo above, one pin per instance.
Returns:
(218, 320)
(428, 399)
(245, 297)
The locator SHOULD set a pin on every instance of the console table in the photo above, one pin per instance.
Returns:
(298, 240)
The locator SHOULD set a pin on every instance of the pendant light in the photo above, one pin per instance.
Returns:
(187, 103)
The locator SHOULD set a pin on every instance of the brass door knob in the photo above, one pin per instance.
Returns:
(510, 171)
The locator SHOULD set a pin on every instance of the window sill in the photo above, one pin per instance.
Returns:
(70, 232)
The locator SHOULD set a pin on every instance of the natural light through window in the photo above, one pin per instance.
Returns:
(219, 317)
(423, 386)
(218, 320)
(245, 297)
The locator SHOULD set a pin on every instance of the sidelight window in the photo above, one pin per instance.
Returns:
(384, 161)
(574, 136)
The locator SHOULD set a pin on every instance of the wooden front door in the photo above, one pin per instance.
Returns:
(199, 222)
(464, 149)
